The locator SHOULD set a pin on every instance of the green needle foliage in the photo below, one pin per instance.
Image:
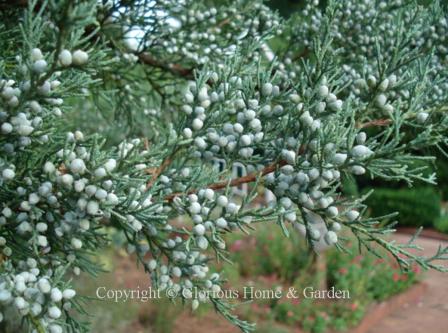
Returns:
(114, 114)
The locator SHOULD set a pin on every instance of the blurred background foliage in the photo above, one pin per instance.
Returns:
(288, 7)
(266, 261)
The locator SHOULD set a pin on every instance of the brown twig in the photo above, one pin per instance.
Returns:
(241, 180)
(146, 143)
(223, 22)
(235, 182)
(172, 68)
(156, 173)
(376, 122)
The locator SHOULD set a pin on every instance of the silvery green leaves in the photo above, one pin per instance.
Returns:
(378, 45)
(36, 293)
(313, 148)
(192, 33)
(229, 130)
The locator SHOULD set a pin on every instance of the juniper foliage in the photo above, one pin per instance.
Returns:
(113, 115)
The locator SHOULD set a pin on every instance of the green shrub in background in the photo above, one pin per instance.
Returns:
(276, 263)
(439, 167)
(441, 224)
(442, 178)
(349, 186)
(274, 255)
(418, 206)
(352, 273)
